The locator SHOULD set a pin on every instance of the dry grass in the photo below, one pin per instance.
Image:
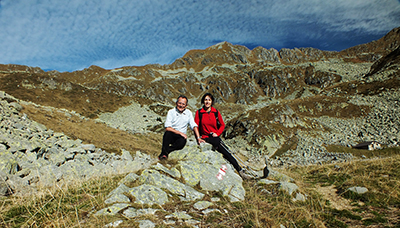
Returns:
(67, 206)
(328, 203)
(380, 205)
(99, 134)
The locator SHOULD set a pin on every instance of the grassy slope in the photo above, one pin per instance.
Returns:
(328, 203)
(99, 134)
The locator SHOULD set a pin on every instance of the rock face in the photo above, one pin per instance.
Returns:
(32, 155)
(289, 106)
(191, 180)
(198, 167)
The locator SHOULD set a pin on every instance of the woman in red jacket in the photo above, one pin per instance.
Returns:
(211, 126)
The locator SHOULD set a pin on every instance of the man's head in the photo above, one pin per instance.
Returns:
(181, 103)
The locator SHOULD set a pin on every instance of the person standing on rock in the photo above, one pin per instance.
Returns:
(211, 125)
(176, 125)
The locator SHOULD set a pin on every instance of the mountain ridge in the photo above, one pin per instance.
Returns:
(290, 87)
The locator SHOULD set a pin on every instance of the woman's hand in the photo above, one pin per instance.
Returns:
(200, 140)
(214, 134)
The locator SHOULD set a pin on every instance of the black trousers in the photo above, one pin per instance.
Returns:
(216, 142)
(171, 142)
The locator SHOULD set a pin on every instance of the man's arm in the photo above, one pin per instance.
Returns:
(176, 132)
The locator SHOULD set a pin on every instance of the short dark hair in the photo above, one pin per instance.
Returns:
(184, 97)
(204, 97)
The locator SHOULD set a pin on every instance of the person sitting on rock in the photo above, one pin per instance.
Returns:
(211, 125)
(176, 124)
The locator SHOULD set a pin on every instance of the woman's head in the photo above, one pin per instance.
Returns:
(207, 98)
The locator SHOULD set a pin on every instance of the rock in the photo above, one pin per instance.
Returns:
(208, 211)
(131, 177)
(266, 182)
(119, 190)
(146, 224)
(126, 155)
(279, 176)
(179, 215)
(5, 188)
(154, 178)
(16, 105)
(112, 210)
(88, 147)
(133, 212)
(149, 194)
(358, 190)
(201, 205)
(133, 118)
(288, 187)
(174, 172)
(299, 197)
(117, 198)
(114, 224)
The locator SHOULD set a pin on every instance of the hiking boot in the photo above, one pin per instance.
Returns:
(244, 176)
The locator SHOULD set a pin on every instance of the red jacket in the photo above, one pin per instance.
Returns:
(209, 123)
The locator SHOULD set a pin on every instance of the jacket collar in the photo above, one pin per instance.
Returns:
(204, 111)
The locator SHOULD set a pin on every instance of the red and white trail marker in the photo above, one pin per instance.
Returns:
(222, 172)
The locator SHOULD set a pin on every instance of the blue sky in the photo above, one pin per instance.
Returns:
(68, 35)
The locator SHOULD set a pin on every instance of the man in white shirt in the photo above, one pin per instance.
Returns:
(176, 124)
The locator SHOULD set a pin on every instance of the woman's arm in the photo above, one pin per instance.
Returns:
(222, 125)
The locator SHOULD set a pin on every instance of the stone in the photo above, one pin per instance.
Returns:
(119, 190)
(153, 177)
(112, 210)
(179, 215)
(133, 212)
(126, 155)
(230, 185)
(174, 172)
(146, 224)
(288, 187)
(5, 188)
(299, 197)
(122, 166)
(2, 148)
(88, 147)
(131, 177)
(266, 182)
(56, 158)
(117, 198)
(192, 171)
(149, 194)
(205, 147)
(358, 190)
(201, 205)
(114, 224)
(208, 211)
(279, 176)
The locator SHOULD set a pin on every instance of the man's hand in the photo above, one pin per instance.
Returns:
(183, 135)
(176, 132)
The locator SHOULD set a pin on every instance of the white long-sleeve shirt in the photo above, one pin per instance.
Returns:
(180, 121)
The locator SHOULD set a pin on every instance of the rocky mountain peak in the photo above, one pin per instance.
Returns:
(299, 83)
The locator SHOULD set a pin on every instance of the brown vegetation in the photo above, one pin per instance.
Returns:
(110, 139)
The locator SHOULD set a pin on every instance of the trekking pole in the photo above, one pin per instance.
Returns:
(247, 167)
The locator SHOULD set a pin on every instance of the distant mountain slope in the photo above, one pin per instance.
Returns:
(276, 101)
